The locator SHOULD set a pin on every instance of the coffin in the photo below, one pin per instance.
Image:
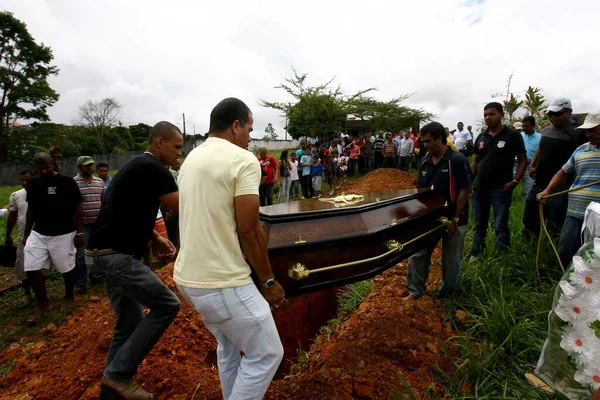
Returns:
(317, 244)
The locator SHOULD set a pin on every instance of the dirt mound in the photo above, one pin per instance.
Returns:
(67, 362)
(381, 180)
(385, 342)
(379, 349)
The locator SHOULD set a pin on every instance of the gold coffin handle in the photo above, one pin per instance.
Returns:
(299, 271)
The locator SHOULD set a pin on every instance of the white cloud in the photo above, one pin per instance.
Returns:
(163, 59)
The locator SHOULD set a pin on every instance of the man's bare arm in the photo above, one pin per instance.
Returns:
(171, 201)
(252, 236)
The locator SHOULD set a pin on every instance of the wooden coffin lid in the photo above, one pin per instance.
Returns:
(350, 204)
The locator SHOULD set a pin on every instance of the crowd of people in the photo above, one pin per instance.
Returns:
(96, 229)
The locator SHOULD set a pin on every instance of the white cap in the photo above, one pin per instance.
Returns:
(592, 120)
(518, 125)
(559, 104)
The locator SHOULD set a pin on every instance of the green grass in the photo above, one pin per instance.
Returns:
(507, 307)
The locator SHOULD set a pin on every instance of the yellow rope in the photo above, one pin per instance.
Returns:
(543, 228)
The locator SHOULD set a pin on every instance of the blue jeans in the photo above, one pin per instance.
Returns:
(81, 269)
(555, 211)
(483, 200)
(452, 253)
(241, 321)
(403, 163)
(570, 239)
(295, 189)
(527, 183)
(284, 189)
(131, 285)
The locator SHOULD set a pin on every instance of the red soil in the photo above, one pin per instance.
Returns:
(364, 357)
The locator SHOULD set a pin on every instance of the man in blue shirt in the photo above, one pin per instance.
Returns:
(531, 138)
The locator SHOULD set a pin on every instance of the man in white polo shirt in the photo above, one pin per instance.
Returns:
(462, 138)
(222, 241)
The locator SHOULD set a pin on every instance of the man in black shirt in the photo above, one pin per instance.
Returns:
(53, 229)
(495, 151)
(118, 240)
(449, 173)
(559, 140)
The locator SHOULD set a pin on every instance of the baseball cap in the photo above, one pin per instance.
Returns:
(592, 120)
(518, 125)
(84, 160)
(559, 104)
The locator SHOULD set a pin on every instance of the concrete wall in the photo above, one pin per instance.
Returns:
(68, 165)
(255, 144)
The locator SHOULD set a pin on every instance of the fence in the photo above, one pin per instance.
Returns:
(68, 165)
(255, 144)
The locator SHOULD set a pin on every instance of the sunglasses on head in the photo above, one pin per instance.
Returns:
(556, 113)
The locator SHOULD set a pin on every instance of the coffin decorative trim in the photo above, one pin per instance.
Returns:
(299, 271)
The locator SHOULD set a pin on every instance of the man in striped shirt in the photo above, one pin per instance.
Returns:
(92, 190)
(584, 163)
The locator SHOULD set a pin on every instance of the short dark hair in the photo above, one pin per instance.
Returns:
(163, 129)
(435, 130)
(496, 105)
(101, 165)
(226, 113)
(25, 172)
(42, 158)
(530, 119)
(460, 123)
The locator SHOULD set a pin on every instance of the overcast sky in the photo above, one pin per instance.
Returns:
(161, 59)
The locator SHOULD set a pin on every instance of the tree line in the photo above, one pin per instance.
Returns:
(25, 94)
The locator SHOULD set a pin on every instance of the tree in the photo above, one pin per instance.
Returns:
(24, 71)
(534, 103)
(140, 134)
(315, 108)
(511, 105)
(100, 117)
(389, 115)
(324, 109)
(270, 132)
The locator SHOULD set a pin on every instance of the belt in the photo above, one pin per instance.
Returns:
(102, 252)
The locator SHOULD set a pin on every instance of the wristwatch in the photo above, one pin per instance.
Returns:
(268, 284)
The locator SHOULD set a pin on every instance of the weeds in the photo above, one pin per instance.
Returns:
(507, 309)
(353, 295)
(301, 363)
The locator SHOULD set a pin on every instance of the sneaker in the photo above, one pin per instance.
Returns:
(319, 196)
(473, 258)
(331, 193)
(128, 390)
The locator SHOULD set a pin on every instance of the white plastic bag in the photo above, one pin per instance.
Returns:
(570, 359)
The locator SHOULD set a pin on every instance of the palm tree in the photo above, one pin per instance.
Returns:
(511, 105)
(535, 102)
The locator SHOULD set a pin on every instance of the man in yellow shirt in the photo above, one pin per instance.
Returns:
(222, 240)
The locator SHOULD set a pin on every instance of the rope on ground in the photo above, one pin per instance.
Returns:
(543, 228)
